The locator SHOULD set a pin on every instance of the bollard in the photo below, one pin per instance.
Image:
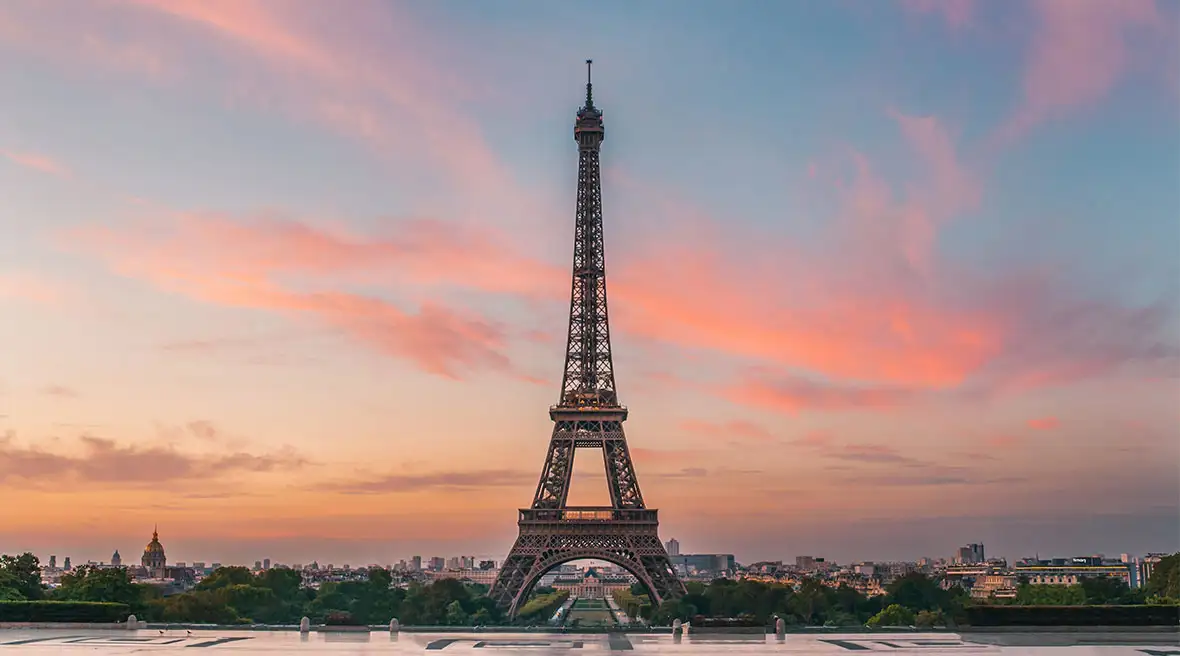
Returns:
(305, 625)
(132, 623)
(676, 624)
(780, 628)
(394, 627)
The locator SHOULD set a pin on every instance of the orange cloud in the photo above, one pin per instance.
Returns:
(814, 439)
(267, 263)
(243, 249)
(1002, 441)
(60, 391)
(957, 13)
(854, 306)
(1044, 423)
(104, 462)
(30, 287)
(734, 428)
(1078, 53)
(792, 395)
(37, 162)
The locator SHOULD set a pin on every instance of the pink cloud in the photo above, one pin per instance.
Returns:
(947, 191)
(1079, 51)
(871, 318)
(1002, 441)
(814, 439)
(792, 395)
(368, 73)
(957, 13)
(1044, 423)
(728, 430)
(30, 287)
(271, 264)
(37, 162)
(104, 462)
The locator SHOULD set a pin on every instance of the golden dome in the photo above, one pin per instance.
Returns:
(154, 546)
(153, 554)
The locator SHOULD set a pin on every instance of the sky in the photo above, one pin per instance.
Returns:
(291, 278)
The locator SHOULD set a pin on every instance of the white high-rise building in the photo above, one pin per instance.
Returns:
(673, 547)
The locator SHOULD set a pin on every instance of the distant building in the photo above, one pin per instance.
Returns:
(153, 557)
(673, 547)
(257, 565)
(67, 564)
(1056, 572)
(487, 564)
(972, 553)
(591, 587)
(704, 564)
(53, 562)
(416, 564)
(116, 559)
(266, 563)
(437, 563)
(805, 563)
(483, 576)
(1143, 569)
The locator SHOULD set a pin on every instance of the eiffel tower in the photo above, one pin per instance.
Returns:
(588, 417)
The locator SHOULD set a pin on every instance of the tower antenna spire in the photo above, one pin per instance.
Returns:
(589, 85)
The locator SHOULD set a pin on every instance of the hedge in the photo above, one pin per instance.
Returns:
(63, 611)
(986, 615)
(544, 606)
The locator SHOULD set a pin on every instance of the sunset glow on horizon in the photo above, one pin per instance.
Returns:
(291, 279)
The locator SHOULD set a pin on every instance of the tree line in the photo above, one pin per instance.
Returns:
(235, 595)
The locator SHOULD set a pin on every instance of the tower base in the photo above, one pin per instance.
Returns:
(550, 537)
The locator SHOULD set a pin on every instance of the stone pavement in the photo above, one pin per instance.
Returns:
(247, 643)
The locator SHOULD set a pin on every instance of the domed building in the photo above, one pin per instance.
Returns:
(153, 556)
(116, 559)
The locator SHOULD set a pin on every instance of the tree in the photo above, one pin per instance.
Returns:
(1165, 578)
(810, 601)
(456, 616)
(283, 581)
(1050, 595)
(916, 591)
(929, 619)
(110, 584)
(1099, 590)
(23, 574)
(226, 576)
(199, 606)
(893, 615)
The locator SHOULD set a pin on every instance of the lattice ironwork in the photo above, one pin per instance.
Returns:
(587, 416)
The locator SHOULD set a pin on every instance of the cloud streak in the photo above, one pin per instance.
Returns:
(265, 263)
(104, 462)
(449, 480)
(1078, 54)
(37, 162)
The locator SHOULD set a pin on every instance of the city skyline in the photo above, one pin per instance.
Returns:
(296, 281)
(973, 552)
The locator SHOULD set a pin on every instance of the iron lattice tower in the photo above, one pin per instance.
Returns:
(588, 416)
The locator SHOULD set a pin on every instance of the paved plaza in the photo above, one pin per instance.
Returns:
(244, 643)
